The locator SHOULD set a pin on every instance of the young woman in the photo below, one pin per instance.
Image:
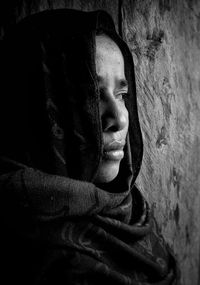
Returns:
(71, 149)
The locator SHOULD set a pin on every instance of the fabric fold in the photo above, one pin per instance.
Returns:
(58, 226)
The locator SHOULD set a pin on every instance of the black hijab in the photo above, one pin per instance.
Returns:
(68, 230)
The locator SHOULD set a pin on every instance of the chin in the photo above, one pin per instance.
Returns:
(107, 171)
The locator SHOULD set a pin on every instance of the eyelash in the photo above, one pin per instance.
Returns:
(122, 96)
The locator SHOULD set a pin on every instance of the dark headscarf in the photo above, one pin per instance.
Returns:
(60, 228)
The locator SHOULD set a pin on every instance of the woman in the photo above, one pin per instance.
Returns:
(71, 150)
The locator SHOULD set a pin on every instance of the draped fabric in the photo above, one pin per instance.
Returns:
(58, 226)
(66, 232)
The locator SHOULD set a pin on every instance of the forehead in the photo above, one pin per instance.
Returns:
(108, 56)
(106, 46)
(105, 41)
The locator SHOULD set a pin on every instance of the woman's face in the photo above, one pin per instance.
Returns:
(114, 114)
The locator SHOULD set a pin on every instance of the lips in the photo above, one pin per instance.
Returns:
(114, 150)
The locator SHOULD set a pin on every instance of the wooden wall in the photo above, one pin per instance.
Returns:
(164, 37)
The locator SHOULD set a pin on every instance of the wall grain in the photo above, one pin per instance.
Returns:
(164, 37)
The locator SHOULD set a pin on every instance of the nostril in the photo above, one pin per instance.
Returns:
(113, 119)
(112, 127)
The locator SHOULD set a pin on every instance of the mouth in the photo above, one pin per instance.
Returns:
(114, 151)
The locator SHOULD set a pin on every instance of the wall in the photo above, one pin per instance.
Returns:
(164, 37)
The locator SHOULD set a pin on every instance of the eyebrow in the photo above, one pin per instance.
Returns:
(122, 83)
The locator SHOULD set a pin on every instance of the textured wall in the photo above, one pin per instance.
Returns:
(164, 37)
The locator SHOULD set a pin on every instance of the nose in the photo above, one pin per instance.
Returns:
(113, 115)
